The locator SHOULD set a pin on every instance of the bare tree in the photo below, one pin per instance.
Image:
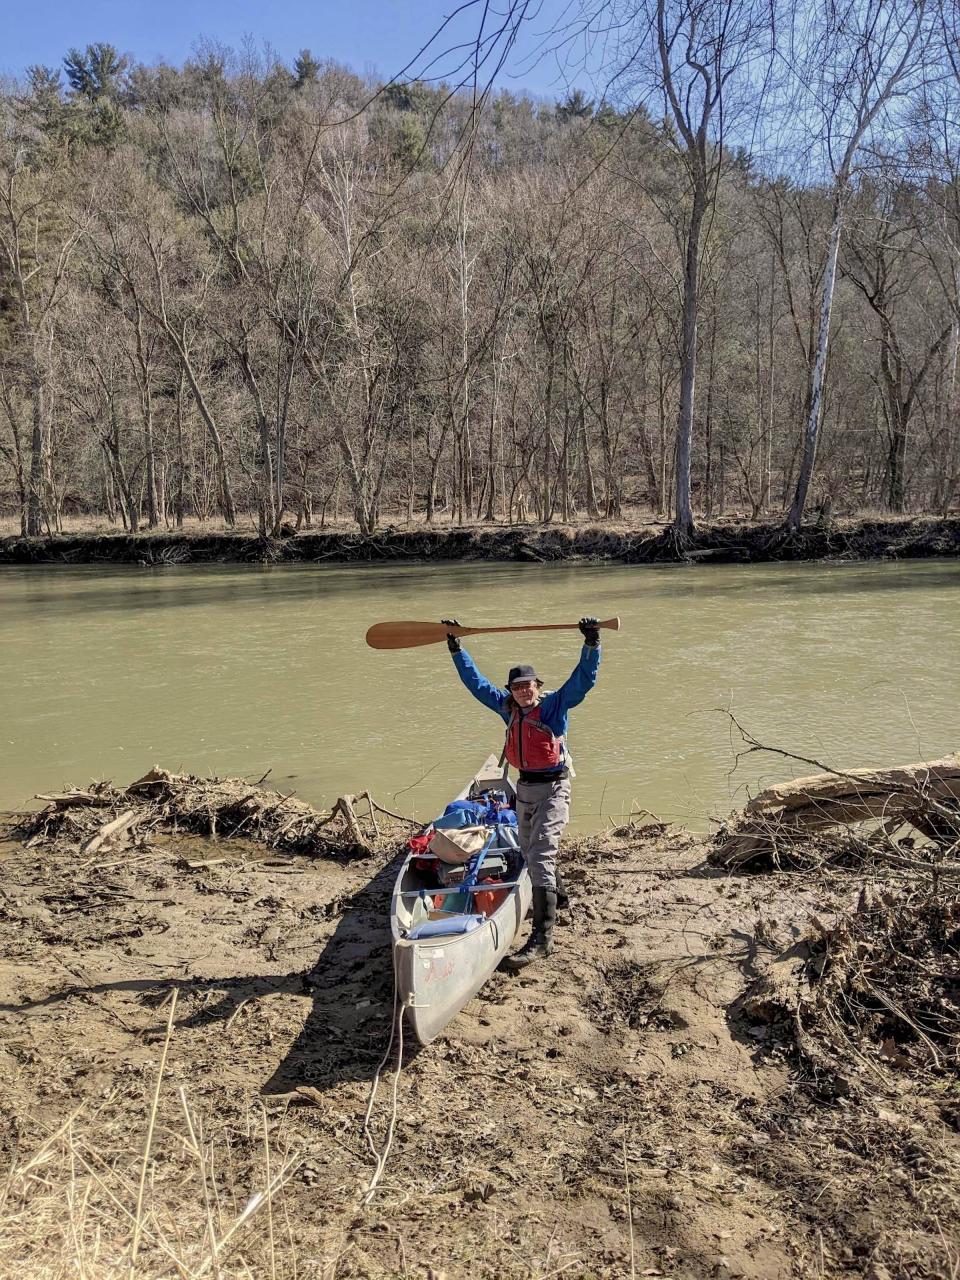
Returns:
(161, 265)
(298, 290)
(39, 234)
(702, 62)
(883, 254)
(857, 64)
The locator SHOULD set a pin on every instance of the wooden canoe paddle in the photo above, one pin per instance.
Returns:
(407, 635)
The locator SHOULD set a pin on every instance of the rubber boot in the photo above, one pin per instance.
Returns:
(540, 943)
(563, 900)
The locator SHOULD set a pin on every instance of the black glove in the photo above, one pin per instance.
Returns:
(453, 642)
(590, 631)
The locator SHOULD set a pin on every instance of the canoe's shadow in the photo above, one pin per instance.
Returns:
(350, 984)
(351, 987)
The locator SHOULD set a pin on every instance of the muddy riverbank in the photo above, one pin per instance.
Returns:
(671, 1094)
(721, 543)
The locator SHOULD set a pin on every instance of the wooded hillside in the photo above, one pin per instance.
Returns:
(238, 287)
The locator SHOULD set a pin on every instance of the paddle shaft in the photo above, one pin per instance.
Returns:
(408, 635)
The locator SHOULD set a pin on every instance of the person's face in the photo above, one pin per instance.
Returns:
(526, 693)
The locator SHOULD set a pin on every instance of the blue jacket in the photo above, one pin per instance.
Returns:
(553, 706)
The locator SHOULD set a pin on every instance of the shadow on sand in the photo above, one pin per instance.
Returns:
(350, 985)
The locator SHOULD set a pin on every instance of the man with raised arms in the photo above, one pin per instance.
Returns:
(536, 731)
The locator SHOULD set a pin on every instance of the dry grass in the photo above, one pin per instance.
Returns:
(632, 519)
(99, 525)
(95, 1201)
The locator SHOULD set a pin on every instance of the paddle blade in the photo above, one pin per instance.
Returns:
(407, 635)
(612, 624)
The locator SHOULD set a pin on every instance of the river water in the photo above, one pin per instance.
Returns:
(239, 670)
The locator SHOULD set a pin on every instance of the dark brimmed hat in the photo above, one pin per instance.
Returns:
(522, 673)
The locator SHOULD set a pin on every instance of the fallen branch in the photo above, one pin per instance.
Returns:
(109, 830)
(365, 795)
(73, 799)
(876, 989)
(344, 807)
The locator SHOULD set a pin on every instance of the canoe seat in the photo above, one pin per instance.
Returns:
(440, 928)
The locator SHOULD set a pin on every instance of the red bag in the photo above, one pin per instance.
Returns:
(488, 900)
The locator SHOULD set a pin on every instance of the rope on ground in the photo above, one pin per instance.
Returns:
(380, 1157)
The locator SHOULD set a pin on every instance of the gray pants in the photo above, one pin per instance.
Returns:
(543, 810)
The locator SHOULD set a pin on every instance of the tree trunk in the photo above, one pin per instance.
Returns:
(128, 503)
(36, 508)
(227, 508)
(14, 456)
(146, 409)
(708, 420)
(768, 443)
(683, 519)
(757, 502)
(593, 509)
(662, 425)
(153, 516)
(411, 470)
(896, 422)
(811, 433)
(952, 477)
(546, 499)
(178, 507)
(266, 504)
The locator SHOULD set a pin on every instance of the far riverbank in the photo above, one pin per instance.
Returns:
(716, 543)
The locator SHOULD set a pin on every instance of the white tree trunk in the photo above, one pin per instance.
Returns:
(811, 433)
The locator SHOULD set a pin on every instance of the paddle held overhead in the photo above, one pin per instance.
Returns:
(407, 635)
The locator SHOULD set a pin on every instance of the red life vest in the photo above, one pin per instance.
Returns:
(530, 744)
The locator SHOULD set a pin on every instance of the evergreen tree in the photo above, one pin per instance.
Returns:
(306, 69)
(413, 96)
(576, 106)
(44, 105)
(97, 80)
(96, 73)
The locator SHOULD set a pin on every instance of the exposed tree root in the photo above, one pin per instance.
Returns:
(717, 543)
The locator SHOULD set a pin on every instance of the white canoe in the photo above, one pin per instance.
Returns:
(436, 976)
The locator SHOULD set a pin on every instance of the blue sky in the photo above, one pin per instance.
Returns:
(375, 36)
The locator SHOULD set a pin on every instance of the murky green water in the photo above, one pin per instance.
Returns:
(240, 670)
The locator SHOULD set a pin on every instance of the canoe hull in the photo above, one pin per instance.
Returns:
(437, 976)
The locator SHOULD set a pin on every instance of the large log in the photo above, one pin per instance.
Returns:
(110, 831)
(926, 794)
(77, 798)
(939, 778)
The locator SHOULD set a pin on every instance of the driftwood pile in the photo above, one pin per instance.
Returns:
(784, 826)
(878, 990)
(87, 819)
